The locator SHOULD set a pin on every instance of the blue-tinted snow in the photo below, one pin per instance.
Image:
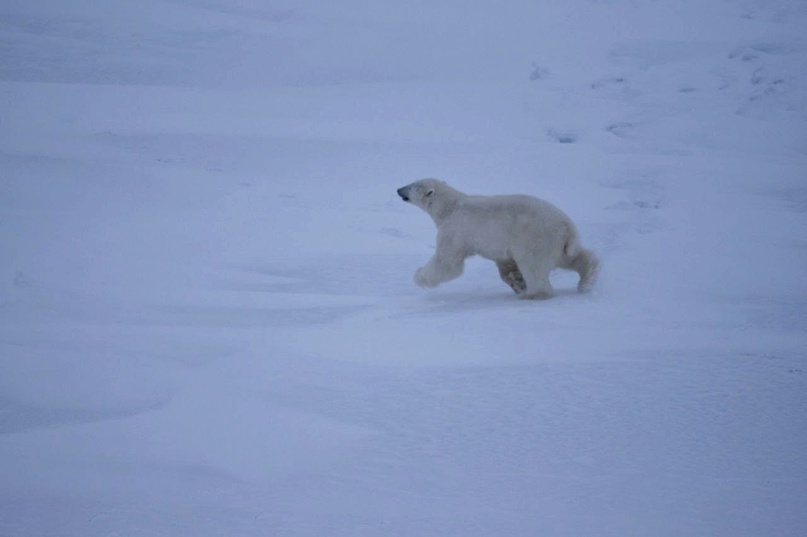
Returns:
(208, 324)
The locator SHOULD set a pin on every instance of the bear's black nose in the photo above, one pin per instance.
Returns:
(403, 196)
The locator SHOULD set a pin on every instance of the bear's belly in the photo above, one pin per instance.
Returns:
(494, 253)
(491, 242)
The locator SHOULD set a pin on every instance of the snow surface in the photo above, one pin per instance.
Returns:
(208, 324)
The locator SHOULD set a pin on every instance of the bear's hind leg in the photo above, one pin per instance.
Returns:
(536, 275)
(509, 273)
(587, 265)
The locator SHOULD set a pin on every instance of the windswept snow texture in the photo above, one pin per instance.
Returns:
(208, 324)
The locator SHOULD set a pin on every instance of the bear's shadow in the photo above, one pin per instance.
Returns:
(467, 300)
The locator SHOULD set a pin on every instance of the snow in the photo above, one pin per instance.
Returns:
(208, 324)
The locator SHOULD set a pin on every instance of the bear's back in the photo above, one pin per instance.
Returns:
(513, 205)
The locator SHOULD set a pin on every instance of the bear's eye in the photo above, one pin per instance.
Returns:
(430, 192)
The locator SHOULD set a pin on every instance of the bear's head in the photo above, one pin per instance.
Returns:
(421, 193)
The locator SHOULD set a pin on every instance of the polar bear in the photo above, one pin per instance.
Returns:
(525, 236)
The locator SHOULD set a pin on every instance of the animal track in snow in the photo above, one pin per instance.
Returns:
(764, 69)
(621, 129)
(562, 136)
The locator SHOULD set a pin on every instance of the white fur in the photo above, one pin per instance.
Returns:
(527, 238)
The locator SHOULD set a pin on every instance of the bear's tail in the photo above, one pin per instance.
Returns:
(572, 247)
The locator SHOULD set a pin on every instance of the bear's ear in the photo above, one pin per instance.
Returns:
(430, 192)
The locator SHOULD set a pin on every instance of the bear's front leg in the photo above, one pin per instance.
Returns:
(423, 277)
(438, 270)
(446, 264)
